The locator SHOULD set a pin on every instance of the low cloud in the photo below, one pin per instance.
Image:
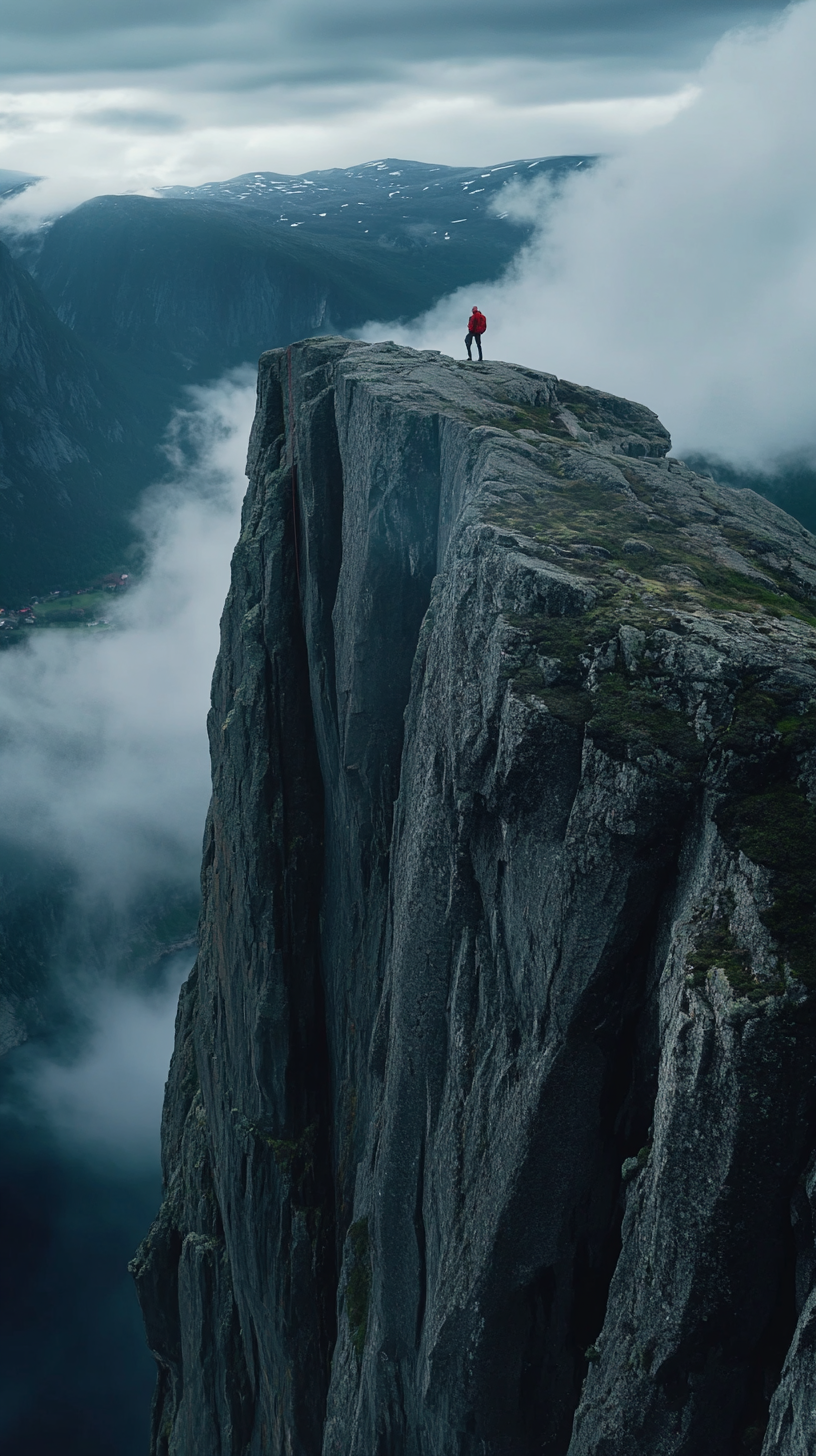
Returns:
(124, 119)
(683, 272)
(105, 1103)
(104, 778)
(473, 114)
(105, 761)
(104, 784)
(51, 197)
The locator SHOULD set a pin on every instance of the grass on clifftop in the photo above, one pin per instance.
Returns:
(522, 417)
(645, 566)
(597, 532)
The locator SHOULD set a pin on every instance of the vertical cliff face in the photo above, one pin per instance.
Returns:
(491, 1117)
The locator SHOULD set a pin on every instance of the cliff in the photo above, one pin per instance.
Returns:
(490, 1125)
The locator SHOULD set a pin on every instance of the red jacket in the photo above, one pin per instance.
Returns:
(477, 323)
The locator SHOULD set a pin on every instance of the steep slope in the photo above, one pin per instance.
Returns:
(76, 446)
(490, 1125)
(204, 278)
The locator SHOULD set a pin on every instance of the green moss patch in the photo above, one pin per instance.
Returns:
(753, 720)
(358, 1284)
(568, 638)
(797, 731)
(764, 721)
(717, 948)
(567, 515)
(294, 1156)
(601, 416)
(511, 416)
(776, 828)
(570, 705)
(625, 716)
(630, 718)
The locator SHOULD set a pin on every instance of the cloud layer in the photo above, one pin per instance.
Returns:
(104, 771)
(683, 273)
(105, 760)
(372, 35)
(125, 96)
(106, 1104)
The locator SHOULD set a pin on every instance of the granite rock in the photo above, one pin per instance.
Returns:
(491, 1118)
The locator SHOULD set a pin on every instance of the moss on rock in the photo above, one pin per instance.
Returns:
(776, 828)
(358, 1284)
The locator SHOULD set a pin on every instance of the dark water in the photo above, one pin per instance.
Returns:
(76, 1376)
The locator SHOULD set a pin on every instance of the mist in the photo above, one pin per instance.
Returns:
(105, 1104)
(682, 271)
(105, 759)
(104, 785)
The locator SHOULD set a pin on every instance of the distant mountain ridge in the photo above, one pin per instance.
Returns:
(207, 277)
(386, 184)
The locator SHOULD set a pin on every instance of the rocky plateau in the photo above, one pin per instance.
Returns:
(491, 1123)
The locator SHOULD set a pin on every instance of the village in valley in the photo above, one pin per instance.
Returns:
(84, 606)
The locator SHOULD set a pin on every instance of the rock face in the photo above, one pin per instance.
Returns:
(73, 451)
(491, 1120)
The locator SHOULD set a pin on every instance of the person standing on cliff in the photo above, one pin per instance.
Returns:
(477, 323)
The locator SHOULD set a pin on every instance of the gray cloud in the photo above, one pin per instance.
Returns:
(374, 39)
(135, 120)
(564, 28)
(33, 17)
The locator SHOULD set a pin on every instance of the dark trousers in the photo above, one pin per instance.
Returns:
(470, 339)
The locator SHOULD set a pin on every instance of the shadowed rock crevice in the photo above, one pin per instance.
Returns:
(768, 1355)
(493, 1096)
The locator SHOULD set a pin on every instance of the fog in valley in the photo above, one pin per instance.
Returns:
(104, 784)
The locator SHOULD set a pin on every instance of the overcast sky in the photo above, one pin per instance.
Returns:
(118, 94)
(681, 271)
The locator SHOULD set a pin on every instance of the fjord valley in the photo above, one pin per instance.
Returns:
(114, 309)
(491, 1120)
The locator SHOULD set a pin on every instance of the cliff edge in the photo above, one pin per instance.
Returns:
(490, 1126)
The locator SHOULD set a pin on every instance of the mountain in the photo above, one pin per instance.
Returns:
(77, 445)
(137, 297)
(11, 183)
(491, 1120)
(204, 278)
